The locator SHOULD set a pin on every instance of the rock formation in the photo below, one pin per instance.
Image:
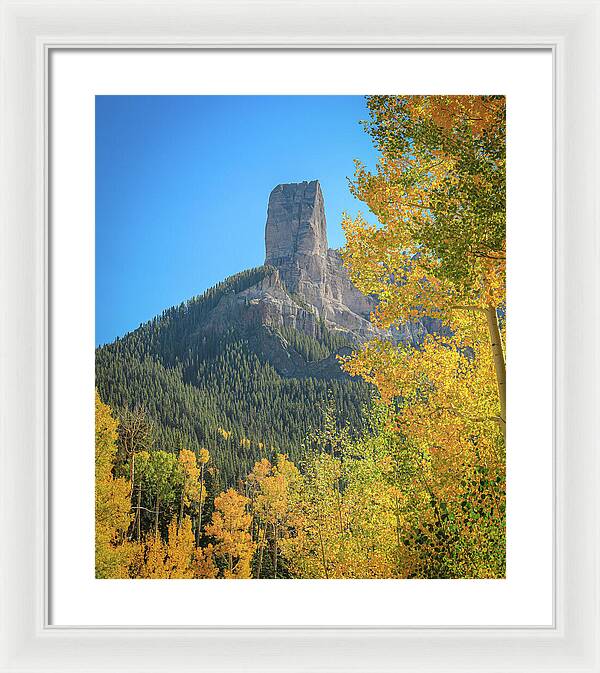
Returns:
(296, 225)
(296, 245)
(307, 286)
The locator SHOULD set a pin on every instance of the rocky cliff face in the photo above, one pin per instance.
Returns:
(296, 225)
(296, 245)
(308, 285)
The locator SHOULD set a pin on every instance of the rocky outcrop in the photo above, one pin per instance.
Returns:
(296, 245)
(296, 224)
(307, 285)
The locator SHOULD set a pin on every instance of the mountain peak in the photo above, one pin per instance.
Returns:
(296, 224)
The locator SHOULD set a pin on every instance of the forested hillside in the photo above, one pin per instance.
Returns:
(206, 387)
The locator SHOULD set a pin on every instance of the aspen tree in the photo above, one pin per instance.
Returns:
(112, 500)
(440, 197)
(188, 475)
(230, 526)
(203, 458)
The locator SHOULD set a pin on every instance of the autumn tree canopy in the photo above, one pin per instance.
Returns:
(439, 248)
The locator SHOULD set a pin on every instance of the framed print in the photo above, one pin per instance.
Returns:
(308, 304)
(286, 418)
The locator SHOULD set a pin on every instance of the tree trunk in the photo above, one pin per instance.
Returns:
(323, 553)
(132, 478)
(181, 507)
(499, 363)
(339, 505)
(139, 512)
(199, 527)
(132, 469)
(156, 517)
(397, 508)
(275, 551)
(261, 546)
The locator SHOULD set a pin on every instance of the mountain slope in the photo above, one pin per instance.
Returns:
(250, 366)
(242, 391)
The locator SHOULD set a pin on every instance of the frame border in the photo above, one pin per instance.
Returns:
(29, 30)
(48, 50)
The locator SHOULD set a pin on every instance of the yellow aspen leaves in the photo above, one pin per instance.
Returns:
(113, 501)
(230, 526)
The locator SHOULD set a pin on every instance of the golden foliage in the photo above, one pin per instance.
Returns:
(346, 511)
(274, 489)
(189, 475)
(204, 564)
(112, 507)
(173, 559)
(439, 250)
(230, 526)
(439, 196)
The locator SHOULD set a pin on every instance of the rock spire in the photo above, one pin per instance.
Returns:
(296, 224)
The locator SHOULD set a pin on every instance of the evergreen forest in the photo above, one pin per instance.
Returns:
(207, 387)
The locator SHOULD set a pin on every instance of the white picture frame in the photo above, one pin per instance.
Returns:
(30, 30)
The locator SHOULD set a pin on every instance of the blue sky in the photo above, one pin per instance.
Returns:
(182, 184)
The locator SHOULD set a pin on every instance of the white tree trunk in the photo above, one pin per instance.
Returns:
(499, 362)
